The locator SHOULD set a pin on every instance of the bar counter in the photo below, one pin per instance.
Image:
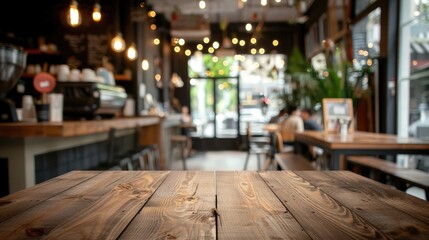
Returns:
(212, 205)
(72, 128)
(21, 142)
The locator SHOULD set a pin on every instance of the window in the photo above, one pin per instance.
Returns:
(413, 82)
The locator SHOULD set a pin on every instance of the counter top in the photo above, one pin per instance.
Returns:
(72, 128)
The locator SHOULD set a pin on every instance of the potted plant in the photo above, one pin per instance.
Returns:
(307, 86)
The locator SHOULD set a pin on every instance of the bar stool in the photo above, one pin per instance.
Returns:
(108, 162)
(147, 157)
(137, 158)
(178, 142)
(124, 164)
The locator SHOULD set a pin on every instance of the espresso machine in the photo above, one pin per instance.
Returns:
(12, 64)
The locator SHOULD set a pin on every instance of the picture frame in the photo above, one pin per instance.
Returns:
(336, 110)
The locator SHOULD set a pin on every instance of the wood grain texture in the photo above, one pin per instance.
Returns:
(321, 216)
(179, 205)
(360, 140)
(294, 162)
(180, 209)
(45, 216)
(361, 198)
(248, 209)
(18, 202)
(412, 176)
(366, 187)
(72, 128)
(107, 217)
(372, 162)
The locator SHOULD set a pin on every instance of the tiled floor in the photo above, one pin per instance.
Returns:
(217, 161)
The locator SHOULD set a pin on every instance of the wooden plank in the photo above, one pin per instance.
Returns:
(363, 199)
(412, 176)
(321, 216)
(72, 128)
(360, 140)
(18, 202)
(294, 162)
(107, 217)
(43, 217)
(398, 199)
(371, 162)
(181, 208)
(248, 209)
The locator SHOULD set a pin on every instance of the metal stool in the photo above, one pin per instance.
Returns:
(178, 142)
(149, 157)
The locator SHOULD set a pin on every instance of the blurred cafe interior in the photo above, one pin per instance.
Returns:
(193, 85)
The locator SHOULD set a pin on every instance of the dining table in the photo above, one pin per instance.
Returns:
(212, 205)
(360, 143)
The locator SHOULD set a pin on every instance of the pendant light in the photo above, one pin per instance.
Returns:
(74, 18)
(202, 4)
(118, 43)
(132, 52)
(96, 13)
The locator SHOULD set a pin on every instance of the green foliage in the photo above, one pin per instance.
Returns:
(218, 68)
(310, 86)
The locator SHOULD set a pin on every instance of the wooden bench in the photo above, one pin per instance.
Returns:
(294, 162)
(400, 177)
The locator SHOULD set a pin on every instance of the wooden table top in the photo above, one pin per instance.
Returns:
(360, 140)
(212, 205)
(71, 128)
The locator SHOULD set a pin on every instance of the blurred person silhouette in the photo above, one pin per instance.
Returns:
(187, 128)
(280, 116)
(293, 123)
(310, 123)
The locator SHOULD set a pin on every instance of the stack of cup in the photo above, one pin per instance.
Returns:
(63, 72)
(55, 107)
(28, 110)
(88, 75)
(74, 75)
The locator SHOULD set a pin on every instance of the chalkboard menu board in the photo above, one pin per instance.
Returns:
(85, 49)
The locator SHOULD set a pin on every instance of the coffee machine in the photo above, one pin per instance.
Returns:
(12, 64)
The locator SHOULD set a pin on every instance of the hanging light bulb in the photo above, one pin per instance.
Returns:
(96, 13)
(73, 16)
(118, 43)
(249, 27)
(202, 4)
(145, 64)
(263, 2)
(132, 52)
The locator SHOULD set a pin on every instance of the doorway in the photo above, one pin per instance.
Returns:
(228, 93)
(214, 104)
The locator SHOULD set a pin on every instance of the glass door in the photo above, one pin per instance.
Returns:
(214, 104)
(222, 106)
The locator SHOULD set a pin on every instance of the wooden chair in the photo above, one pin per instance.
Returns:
(278, 147)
